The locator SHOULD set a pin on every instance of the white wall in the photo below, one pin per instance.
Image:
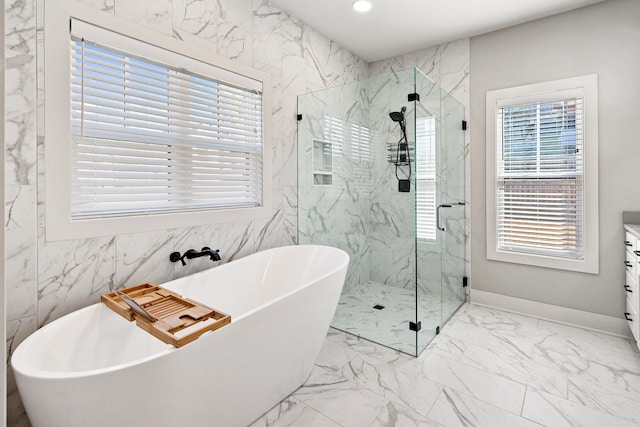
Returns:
(603, 39)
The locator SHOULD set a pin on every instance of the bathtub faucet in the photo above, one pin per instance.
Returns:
(213, 255)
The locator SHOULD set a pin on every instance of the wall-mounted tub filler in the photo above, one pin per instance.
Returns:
(93, 368)
(214, 255)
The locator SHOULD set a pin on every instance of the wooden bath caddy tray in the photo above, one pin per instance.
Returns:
(179, 320)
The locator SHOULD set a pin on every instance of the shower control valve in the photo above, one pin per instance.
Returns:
(175, 257)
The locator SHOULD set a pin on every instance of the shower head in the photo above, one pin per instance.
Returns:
(398, 116)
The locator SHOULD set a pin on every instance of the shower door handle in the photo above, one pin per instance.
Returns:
(445, 205)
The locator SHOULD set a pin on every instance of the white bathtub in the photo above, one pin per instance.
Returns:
(94, 368)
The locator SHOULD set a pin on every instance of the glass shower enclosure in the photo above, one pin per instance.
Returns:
(381, 176)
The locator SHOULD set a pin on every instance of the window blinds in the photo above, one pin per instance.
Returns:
(151, 137)
(361, 157)
(360, 142)
(540, 178)
(426, 178)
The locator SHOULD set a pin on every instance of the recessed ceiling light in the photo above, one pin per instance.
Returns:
(361, 5)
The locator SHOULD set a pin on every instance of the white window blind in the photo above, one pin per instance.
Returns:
(333, 132)
(426, 178)
(361, 157)
(540, 178)
(150, 137)
(360, 142)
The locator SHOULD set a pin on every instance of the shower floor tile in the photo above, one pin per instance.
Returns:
(389, 326)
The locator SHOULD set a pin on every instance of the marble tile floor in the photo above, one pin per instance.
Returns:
(390, 326)
(486, 368)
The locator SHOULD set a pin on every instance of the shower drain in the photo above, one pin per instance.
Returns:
(378, 307)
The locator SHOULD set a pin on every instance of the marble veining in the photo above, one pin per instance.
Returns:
(361, 210)
(291, 412)
(517, 368)
(20, 251)
(71, 274)
(397, 385)
(607, 389)
(341, 400)
(399, 415)
(456, 409)
(17, 331)
(158, 18)
(250, 31)
(503, 393)
(390, 326)
(547, 409)
(235, 240)
(142, 257)
(359, 383)
(20, 92)
(103, 5)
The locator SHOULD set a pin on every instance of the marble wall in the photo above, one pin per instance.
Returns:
(382, 241)
(361, 210)
(447, 65)
(365, 214)
(392, 237)
(45, 280)
(334, 209)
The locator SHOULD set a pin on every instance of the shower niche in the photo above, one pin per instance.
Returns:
(381, 176)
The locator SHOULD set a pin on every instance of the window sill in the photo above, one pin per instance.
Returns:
(586, 265)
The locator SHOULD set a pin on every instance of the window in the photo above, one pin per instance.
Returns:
(360, 143)
(426, 178)
(542, 154)
(158, 134)
(361, 157)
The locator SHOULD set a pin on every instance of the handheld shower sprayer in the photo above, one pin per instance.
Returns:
(398, 116)
(403, 157)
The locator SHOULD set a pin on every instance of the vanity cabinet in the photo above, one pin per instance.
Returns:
(631, 263)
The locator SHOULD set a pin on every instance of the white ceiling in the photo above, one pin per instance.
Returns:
(393, 27)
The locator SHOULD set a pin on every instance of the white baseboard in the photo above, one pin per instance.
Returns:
(567, 316)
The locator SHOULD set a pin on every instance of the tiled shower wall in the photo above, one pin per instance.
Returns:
(392, 238)
(361, 211)
(448, 66)
(46, 280)
(336, 213)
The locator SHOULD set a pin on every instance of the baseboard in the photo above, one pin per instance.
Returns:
(567, 316)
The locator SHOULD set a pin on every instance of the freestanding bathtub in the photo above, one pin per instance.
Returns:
(94, 368)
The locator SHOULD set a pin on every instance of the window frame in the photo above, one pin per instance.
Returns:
(57, 76)
(587, 88)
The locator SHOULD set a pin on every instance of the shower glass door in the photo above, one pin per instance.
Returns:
(452, 193)
(428, 243)
(440, 208)
(374, 165)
